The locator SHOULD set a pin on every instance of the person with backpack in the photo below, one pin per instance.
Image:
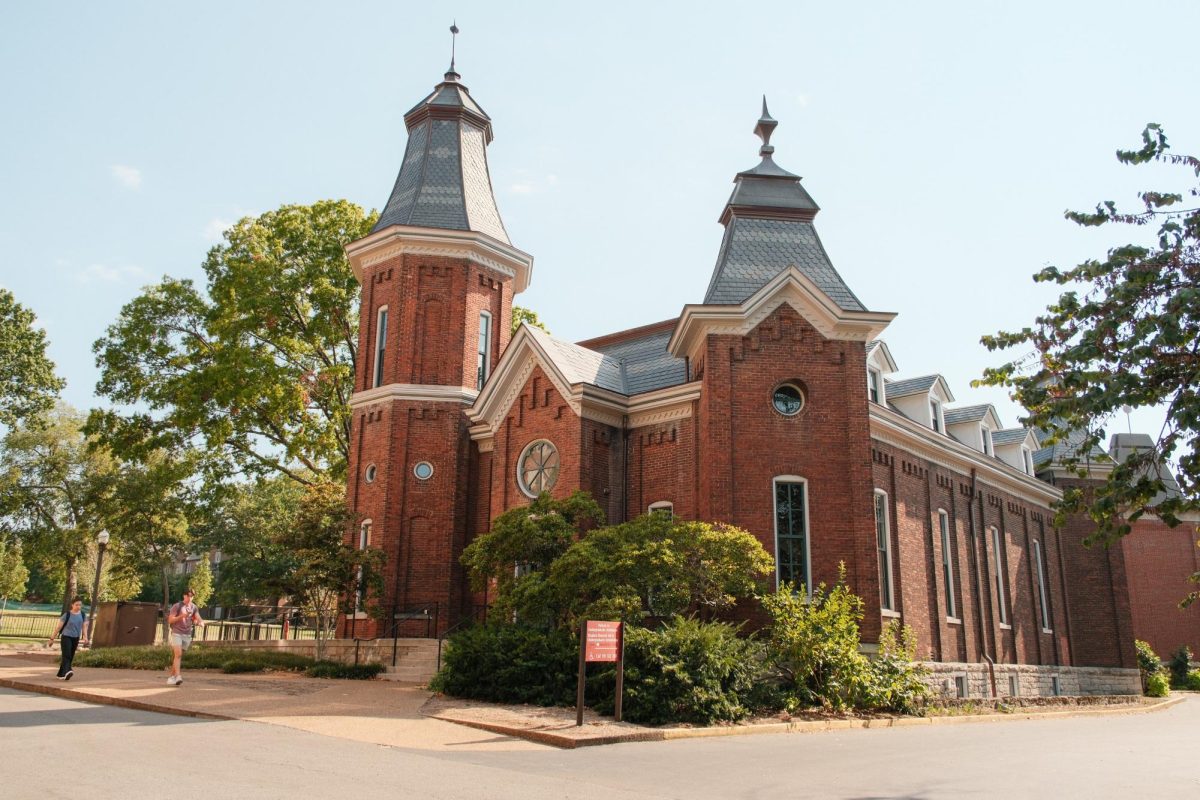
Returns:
(183, 618)
(72, 626)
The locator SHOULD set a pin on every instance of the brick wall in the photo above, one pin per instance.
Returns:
(1158, 561)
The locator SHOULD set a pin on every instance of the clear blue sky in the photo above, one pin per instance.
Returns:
(942, 140)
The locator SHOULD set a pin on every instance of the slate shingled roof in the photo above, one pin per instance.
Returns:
(910, 386)
(1123, 445)
(956, 416)
(1070, 446)
(1009, 436)
(444, 180)
(628, 367)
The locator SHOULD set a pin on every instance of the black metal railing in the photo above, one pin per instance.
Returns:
(478, 615)
(24, 625)
(412, 621)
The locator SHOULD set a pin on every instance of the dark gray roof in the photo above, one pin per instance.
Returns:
(956, 416)
(579, 364)
(1070, 446)
(628, 367)
(768, 228)
(444, 180)
(1009, 436)
(910, 386)
(1123, 445)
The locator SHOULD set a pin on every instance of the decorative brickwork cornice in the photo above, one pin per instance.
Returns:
(414, 391)
(478, 247)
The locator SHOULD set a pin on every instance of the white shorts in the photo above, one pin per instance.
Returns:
(180, 640)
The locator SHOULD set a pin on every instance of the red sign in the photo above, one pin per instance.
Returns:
(603, 641)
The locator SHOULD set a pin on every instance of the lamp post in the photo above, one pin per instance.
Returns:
(102, 541)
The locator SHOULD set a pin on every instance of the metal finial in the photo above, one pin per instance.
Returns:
(766, 124)
(453, 42)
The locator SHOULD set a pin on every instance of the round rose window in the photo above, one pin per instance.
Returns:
(537, 468)
(788, 400)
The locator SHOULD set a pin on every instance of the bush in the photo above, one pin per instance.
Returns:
(1193, 681)
(226, 659)
(1148, 661)
(814, 645)
(355, 672)
(1181, 662)
(897, 683)
(235, 666)
(147, 657)
(687, 671)
(1157, 685)
(510, 664)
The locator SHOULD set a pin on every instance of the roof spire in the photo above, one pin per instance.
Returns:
(764, 128)
(451, 75)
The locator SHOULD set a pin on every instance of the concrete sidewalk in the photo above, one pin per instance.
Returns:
(379, 712)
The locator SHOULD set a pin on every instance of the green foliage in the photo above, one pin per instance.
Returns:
(201, 582)
(686, 671)
(354, 672)
(28, 385)
(521, 314)
(1122, 333)
(254, 372)
(1157, 685)
(13, 574)
(1179, 665)
(531, 536)
(814, 645)
(1192, 683)
(655, 566)
(897, 683)
(1148, 661)
(510, 664)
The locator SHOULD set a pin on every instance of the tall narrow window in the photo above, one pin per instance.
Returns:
(987, 441)
(380, 346)
(1000, 568)
(791, 532)
(360, 592)
(1027, 457)
(1044, 601)
(483, 366)
(887, 598)
(935, 412)
(873, 384)
(947, 563)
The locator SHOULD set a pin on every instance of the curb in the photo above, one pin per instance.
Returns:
(794, 726)
(104, 700)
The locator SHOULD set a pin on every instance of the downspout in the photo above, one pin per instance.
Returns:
(978, 586)
(625, 468)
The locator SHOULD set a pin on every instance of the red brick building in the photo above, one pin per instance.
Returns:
(769, 405)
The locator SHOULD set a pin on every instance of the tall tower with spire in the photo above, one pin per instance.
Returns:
(438, 275)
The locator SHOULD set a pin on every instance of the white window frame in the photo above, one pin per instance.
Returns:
(884, 552)
(364, 540)
(999, 561)
(986, 437)
(381, 325)
(947, 540)
(875, 384)
(937, 421)
(662, 505)
(1027, 460)
(778, 479)
(962, 690)
(483, 365)
(1014, 685)
(1043, 600)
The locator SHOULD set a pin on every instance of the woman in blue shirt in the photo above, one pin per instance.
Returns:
(71, 625)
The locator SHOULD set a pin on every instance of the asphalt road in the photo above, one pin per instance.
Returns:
(53, 748)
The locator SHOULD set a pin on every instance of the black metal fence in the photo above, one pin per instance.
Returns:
(26, 625)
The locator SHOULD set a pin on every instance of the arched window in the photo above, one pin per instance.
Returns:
(665, 507)
(791, 531)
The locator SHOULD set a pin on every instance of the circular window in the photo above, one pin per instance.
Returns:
(423, 470)
(537, 468)
(788, 400)
(370, 474)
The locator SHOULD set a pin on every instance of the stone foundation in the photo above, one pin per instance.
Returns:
(378, 651)
(1032, 680)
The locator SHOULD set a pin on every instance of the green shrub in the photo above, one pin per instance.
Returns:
(238, 665)
(159, 657)
(1181, 663)
(1157, 685)
(1193, 680)
(813, 646)
(1148, 661)
(332, 669)
(510, 664)
(147, 657)
(686, 671)
(897, 682)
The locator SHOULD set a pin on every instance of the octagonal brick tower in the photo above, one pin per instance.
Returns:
(438, 275)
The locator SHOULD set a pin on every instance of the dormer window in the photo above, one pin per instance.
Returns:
(935, 414)
(1027, 457)
(986, 434)
(874, 385)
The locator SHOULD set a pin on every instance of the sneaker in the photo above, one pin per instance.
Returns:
(179, 680)
(70, 674)
(172, 681)
(61, 677)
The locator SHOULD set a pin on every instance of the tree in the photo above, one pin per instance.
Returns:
(521, 314)
(28, 385)
(13, 574)
(656, 566)
(522, 543)
(51, 490)
(201, 582)
(1124, 332)
(256, 371)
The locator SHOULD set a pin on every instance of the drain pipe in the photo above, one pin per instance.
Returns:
(983, 648)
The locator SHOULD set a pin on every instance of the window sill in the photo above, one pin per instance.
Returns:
(358, 615)
(953, 621)
(1047, 630)
(1004, 626)
(887, 612)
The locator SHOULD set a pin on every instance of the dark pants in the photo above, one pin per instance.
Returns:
(69, 645)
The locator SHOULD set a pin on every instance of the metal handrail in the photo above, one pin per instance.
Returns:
(480, 611)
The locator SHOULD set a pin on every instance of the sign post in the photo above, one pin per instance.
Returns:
(600, 641)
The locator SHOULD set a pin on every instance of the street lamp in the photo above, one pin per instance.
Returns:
(102, 541)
